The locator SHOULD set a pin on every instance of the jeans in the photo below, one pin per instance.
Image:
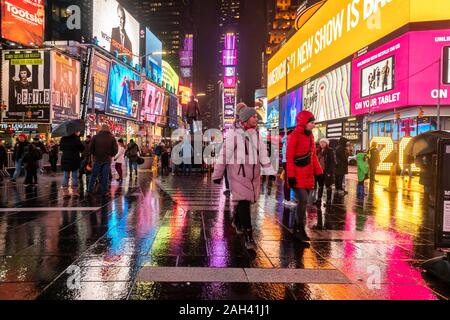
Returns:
(132, 164)
(65, 183)
(104, 170)
(31, 176)
(18, 169)
(302, 196)
(187, 167)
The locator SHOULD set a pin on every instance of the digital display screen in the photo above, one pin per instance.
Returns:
(378, 77)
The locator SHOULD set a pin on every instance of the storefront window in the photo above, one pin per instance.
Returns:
(381, 129)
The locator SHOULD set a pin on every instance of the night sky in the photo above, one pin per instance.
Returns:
(253, 36)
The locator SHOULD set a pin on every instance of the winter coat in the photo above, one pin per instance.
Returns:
(341, 157)
(132, 152)
(374, 157)
(31, 158)
(301, 143)
(71, 148)
(19, 150)
(329, 159)
(41, 146)
(244, 156)
(120, 156)
(103, 147)
(363, 166)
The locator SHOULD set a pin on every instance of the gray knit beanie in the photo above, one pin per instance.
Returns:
(246, 113)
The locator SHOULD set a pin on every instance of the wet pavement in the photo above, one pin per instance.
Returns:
(171, 238)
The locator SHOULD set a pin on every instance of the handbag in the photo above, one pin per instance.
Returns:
(303, 161)
(140, 160)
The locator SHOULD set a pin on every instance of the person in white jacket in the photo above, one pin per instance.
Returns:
(119, 159)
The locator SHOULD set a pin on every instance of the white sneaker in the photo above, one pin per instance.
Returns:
(289, 203)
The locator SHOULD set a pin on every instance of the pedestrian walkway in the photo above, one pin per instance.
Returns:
(171, 238)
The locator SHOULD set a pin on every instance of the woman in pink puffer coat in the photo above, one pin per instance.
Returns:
(244, 155)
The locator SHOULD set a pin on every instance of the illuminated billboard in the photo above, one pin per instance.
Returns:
(273, 114)
(26, 85)
(328, 97)
(23, 21)
(171, 80)
(291, 105)
(65, 88)
(116, 29)
(100, 73)
(153, 52)
(123, 99)
(338, 30)
(186, 94)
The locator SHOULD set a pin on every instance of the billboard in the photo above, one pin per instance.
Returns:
(229, 82)
(339, 29)
(328, 97)
(379, 78)
(409, 73)
(291, 105)
(65, 88)
(173, 112)
(123, 100)
(23, 21)
(100, 73)
(273, 114)
(116, 29)
(170, 77)
(26, 85)
(152, 102)
(229, 106)
(426, 48)
(261, 105)
(186, 94)
(153, 51)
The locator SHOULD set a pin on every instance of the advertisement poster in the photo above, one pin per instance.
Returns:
(65, 88)
(162, 120)
(152, 104)
(273, 111)
(426, 49)
(123, 99)
(379, 78)
(261, 105)
(173, 109)
(153, 50)
(116, 29)
(170, 77)
(328, 97)
(290, 107)
(229, 106)
(100, 73)
(23, 21)
(26, 85)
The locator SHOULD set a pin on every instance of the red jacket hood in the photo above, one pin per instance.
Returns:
(303, 118)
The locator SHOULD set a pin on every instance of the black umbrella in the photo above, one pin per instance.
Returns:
(425, 143)
(68, 128)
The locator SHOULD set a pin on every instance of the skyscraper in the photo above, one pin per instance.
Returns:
(169, 20)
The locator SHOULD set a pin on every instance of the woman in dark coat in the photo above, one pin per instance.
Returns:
(71, 148)
(341, 164)
(327, 161)
(31, 162)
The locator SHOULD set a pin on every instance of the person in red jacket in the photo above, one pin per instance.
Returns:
(302, 166)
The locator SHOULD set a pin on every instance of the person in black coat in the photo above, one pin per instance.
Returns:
(71, 148)
(31, 162)
(53, 156)
(327, 161)
(341, 164)
(3, 158)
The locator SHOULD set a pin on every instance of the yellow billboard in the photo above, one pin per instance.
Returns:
(341, 28)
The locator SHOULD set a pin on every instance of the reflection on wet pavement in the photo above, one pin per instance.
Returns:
(91, 248)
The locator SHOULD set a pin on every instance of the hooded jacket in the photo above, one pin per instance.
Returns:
(103, 147)
(342, 157)
(71, 148)
(301, 143)
(363, 166)
(244, 155)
